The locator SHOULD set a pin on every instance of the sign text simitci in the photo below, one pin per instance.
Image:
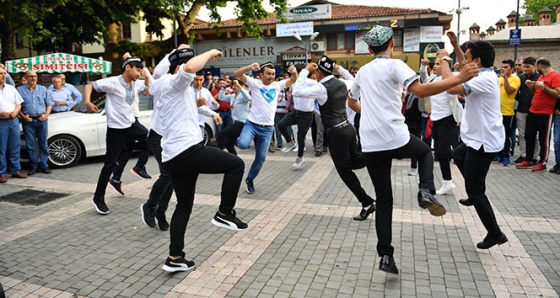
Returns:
(309, 12)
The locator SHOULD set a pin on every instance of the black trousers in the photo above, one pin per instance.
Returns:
(184, 170)
(507, 122)
(474, 165)
(163, 188)
(442, 133)
(116, 140)
(126, 153)
(344, 152)
(541, 124)
(303, 121)
(227, 137)
(379, 168)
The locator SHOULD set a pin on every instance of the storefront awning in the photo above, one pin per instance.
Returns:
(59, 63)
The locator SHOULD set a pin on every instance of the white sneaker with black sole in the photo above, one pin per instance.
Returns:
(178, 265)
(230, 222)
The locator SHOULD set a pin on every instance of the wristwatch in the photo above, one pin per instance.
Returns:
(447, 58)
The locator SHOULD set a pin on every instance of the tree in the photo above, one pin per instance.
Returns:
(19, 15)
(533, 7)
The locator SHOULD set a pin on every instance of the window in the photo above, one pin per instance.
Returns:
(19, 40)
(398, 37)
(126, 30)
(340, 41)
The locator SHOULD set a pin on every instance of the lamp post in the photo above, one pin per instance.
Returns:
(459, 11)
(306, 43)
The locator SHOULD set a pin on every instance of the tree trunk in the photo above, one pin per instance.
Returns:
(7, 35)
(186, 23)
(111, 53)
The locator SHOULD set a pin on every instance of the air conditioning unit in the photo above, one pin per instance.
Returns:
(318, 46)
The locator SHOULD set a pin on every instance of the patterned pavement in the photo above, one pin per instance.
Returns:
(301, 241)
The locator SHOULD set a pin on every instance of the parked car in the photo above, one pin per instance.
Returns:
(76, 135)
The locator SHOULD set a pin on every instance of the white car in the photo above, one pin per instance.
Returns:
(75, 135)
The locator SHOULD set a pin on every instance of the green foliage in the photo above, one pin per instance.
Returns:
(533, 7)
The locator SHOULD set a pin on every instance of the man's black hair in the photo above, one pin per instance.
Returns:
(544, 62)
(382, 47)
(483, 50)
(530, 60)
(510, 62)
(200, 73)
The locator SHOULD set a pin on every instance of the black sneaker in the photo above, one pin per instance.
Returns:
(116, 186)
(140, 173)
(147, 215)
(180, 264)
(427, 201)
(491, 241)
(100, 206)
(229, 221)
(518, 160)
(162, 222)
(250, 186)
(387, 264)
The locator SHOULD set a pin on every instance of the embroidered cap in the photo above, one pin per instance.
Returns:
(180, 56)
(378, 35)
(326, 64)
(267, 65)
(132, 60)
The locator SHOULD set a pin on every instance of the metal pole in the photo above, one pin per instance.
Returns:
(458, 21)
(516, 28)
(174, 26)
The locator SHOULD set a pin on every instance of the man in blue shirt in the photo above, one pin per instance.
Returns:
(35, 110)
(73, 95)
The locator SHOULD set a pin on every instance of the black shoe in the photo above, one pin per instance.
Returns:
(318, 153)
(466, 202)
(365, 213)
(250, 186)
(162, 222)
(46, 170)
(387, 264)
(140, 173)
(100, 206)
(427, 201)
(147, 215)
(229, 221)
(180, 264)
(555, 168)
(116, 186)
(518, 160)
(32, 172)
(491, 241)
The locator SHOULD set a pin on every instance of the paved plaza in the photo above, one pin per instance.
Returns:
(301, 241)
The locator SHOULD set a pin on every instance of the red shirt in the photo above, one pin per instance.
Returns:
(543, 103)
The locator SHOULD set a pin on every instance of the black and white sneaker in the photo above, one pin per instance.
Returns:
(116, 186)
(250, 186)
(161, 221)
(229, 221)
(178, 265)
(147, 215)
(100, 206)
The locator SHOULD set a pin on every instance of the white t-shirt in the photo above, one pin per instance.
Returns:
(440, 104)
(265, 99)
(482, 120)
(179, 115)
(9, 98)
(120, 101)
(379, 85)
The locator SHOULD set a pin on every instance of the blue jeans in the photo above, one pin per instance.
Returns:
(9, 146)
(557, 138)
(262, 136)
(35, 133)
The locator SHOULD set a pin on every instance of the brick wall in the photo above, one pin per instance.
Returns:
(549, 50)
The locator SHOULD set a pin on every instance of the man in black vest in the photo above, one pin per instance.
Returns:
(331, 95)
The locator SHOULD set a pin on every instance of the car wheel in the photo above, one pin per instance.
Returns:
(64, 151)
(207, 135)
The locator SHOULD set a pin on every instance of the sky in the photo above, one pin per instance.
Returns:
(485, 13)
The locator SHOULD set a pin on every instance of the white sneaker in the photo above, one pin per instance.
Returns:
(298, 163)
(413, 172)
(447, 187)
(288, 147)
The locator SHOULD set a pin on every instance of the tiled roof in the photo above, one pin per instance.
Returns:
(339, 12)
(529, 33)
